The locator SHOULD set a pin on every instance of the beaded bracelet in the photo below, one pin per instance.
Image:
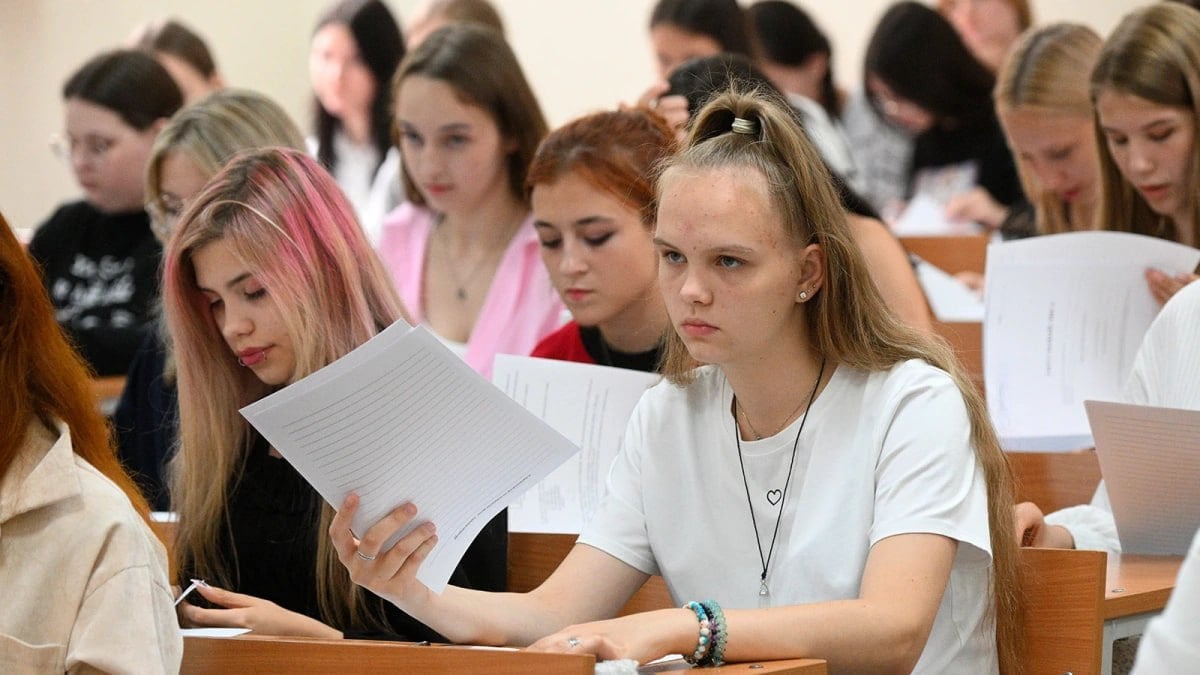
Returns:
(700, 656)
(720, 632)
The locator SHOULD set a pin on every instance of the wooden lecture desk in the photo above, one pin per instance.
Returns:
(1136, 588)
(296, 655)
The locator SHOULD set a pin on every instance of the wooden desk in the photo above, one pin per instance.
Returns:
(1077, 603)
(1136, 588)
(966, 339)
(951, 254)
(1055, 480)
(297, 655)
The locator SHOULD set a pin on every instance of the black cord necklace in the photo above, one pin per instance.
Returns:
(764, 594)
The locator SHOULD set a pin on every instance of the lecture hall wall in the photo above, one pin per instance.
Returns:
(581, 56)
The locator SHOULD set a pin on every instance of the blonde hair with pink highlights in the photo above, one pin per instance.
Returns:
(286, 219)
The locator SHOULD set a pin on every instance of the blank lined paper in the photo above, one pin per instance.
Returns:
(1150, 460)
(406, 420)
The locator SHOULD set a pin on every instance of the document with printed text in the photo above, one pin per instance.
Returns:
(403, 419)
(1064, 317)
(588, 404)
(1150, 460)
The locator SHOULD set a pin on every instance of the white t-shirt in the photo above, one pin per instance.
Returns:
(373, 194)
(1166, 373)
(884, 453)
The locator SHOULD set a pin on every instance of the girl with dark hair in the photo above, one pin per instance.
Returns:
(462, 248)
(922, 78)
(355, 50)
(685, 29)
(793, 52)
(84, 578)
(98, 255)
(873, 520)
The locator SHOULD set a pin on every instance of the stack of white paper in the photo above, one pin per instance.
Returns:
(1065, 315)
(925, 216)
(402, 419)
(588, 404)
(949, 298)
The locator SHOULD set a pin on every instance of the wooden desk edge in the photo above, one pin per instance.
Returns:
(1145, 583)
(782, 667)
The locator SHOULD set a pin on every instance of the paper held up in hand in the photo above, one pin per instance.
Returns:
(1065, 315)
(588, 404)
(403, 419)
(1150, 460)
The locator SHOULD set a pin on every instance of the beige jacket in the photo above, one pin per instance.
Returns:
(83, 580)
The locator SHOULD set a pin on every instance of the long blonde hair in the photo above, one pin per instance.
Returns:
(1047, 72)
(848, 320)
(287, 220)
(1154, 54)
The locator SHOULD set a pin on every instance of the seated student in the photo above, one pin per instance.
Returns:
(98, 257)
(269, 278)
(184, 55)
(1045, 106)
(1164, 375)
(84, 579)
(193, 147)
(921, 77)
(1146, 89)
(462, 250)
(697, 80)
(433, 14)
(686, 29)
(875, 539)
(355, 50)
(797, 57)
(1171, 643)
(681, 30)
(591, 187)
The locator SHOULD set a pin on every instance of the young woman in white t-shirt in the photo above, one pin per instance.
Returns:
(813, 465)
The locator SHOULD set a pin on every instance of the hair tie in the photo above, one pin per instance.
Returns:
(744, 126)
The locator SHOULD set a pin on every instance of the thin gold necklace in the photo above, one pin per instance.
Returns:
(757, 436)
(461, 284)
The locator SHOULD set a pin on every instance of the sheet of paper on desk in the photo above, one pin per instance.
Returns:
(949, 298)
(403, 419)
(588, 404)
(1150, 460)
(1065, 315)
(924, 216)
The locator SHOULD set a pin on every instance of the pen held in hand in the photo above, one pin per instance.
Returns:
(191, 587)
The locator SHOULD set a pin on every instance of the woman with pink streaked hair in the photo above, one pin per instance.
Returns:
(269, 278)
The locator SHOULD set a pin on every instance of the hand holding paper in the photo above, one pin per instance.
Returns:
(401, 419)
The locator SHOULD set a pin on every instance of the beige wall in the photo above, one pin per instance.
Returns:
(580, 55)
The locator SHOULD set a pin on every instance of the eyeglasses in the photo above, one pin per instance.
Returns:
(93, 148)
(164, 213)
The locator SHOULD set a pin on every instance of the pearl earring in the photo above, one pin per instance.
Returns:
(803, 295)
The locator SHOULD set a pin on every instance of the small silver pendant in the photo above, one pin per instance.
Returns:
(764, 595)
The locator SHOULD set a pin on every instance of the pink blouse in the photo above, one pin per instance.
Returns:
(521, 306)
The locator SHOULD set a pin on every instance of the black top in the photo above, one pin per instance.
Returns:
(604, 355)
(147, 420)
(979, 141)
(270, 543)
(101, 270)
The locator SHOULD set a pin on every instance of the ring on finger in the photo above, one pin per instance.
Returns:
(364, 556)
(573, 641)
